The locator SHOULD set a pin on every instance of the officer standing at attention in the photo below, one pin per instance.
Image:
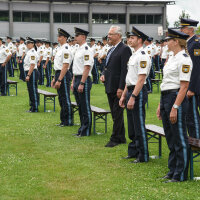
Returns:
(47, 62)
(5, 56)
(81, 83)
(30, 68)
(40, 52)
(188, 26)
(20, 58)
(55, 49)
(135, 94)
(14, 54)
(173, 106)
(62, 79)
(10, 64)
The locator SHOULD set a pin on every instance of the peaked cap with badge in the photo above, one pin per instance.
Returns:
(138, 33)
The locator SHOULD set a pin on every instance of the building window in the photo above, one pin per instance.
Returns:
(44, 17)
(83, 18)
(158, 19)
(57, 17)
(75, 18)
(26, 17)
(145, 19)
(4, 15)
(17, 16)
(66, 17)
(108, 18)
(35, 17)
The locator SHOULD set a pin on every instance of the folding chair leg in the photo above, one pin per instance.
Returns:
(191, 165)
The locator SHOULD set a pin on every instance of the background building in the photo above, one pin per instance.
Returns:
(40, 19)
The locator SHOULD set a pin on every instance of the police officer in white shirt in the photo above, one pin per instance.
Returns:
(55, 49)
(14, 55)
(47, 62)
(173, 105)
(81, 83)
(61, 81)
(30, 68)
(164, 54)
(157, 55)
(135, 95)
(40, 52)
(10, 64)
(5, 56)
(20, 58)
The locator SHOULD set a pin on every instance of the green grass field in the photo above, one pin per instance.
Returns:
(40, 161)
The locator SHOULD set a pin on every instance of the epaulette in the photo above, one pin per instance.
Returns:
(32, 50)
(66, 47)
(86, 47)
(4, 47)
(143, 52)
(185, 55)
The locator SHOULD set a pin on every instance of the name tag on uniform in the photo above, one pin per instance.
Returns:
(86, 57)
(32, 57)
(66, 55)
(185, 68)
(196, 52)
(143, 64)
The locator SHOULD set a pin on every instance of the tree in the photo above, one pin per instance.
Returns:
(182, 15)
(198, 30)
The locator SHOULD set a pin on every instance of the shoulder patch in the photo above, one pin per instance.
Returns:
(143, 64)
(197, 40)
(142, 52)
(32, 57)
(66, 55)
(196, 52)
(185, 55)
(185, 68)
(7, 51)
(86, 57)
(86, 47)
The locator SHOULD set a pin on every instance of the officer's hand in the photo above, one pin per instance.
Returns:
(121, 102)
(158, 113)
(38, 64)
(72, 87)
(131, 103)
(20, 61)
(119, 93)
(102, 78)
(3, 65)
(80, 88)
(190, 94)
(53, 83)
(57, 85)
(173, 115)
(44, 66)
(27, 79)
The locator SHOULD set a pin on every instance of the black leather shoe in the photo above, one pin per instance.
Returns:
(166, 177)
(136, 161)
(111, 144)
(127, 157)
(172, 181)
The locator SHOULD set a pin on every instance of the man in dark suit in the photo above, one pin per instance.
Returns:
(188, 26)
(114, 78)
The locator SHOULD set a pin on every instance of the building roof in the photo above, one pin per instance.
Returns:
(105, 1)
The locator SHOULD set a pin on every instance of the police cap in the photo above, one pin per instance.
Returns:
(62, 32)
(188, 22)
(79, 31)
(138, 33)
(172, 34)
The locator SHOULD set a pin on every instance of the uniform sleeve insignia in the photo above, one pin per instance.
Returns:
(185, 68)
(86, 57)
(66, 55)
(7, 51)
(32, 57)
(196, 52)
(86, 47)
(143, 64)
(143, 52)
(66, 47)
(41, 52)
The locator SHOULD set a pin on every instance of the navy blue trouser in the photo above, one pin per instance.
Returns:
(21, 69)
(95, 73)
(32, 86)
(157, 63)
(41, 73)
(48, 74)
(64, 98)
(83, 101)
(176, 136)
(3, 80)
(10, 68)
(162, 64)
(138, 147)
(193, 118)
(13, 58)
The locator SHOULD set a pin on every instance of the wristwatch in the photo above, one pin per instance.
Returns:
(175, 106)
(81, 83)
(133, 96)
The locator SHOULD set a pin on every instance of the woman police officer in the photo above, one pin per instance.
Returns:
(30, 68)
(173, 105)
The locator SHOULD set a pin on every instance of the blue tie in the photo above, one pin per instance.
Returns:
(109, 54)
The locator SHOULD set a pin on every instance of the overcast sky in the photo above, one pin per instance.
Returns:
(192, 7)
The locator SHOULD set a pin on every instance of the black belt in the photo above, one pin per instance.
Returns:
(131, 87)
(169, 91)
(78, 76)
(58, 71)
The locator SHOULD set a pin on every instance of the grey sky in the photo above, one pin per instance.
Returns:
(190, 6)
